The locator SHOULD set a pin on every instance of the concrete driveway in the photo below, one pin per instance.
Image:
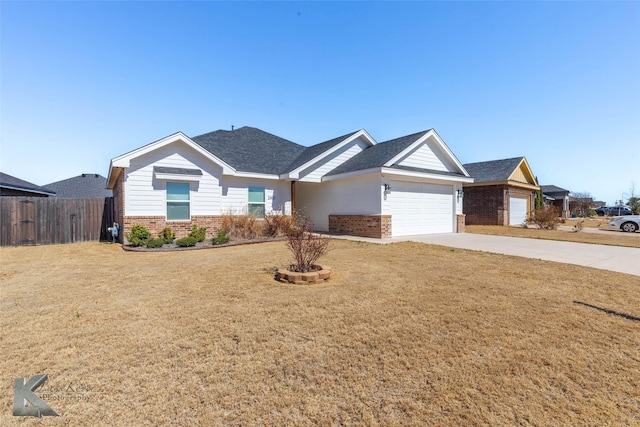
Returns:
(613, 258)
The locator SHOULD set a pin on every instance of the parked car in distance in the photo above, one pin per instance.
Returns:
(613, 210)
(629, 223)
(620, 210)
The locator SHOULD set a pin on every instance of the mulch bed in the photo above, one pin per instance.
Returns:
(206, 244)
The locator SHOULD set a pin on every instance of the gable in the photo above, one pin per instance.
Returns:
(419, 154)
(315, 171)
(426, 156)
(523, 174)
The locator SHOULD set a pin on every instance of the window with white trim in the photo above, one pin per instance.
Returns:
(178, 201)
(256, 202)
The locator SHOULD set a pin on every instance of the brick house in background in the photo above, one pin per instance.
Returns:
(503, 192)
(557, 197)
(12, 186)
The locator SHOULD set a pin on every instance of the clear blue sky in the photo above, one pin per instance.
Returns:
(557, 82)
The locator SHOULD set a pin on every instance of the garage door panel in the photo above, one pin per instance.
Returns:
(517, 210)
(420, 208)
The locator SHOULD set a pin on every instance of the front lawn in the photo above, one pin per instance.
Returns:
(403, 334)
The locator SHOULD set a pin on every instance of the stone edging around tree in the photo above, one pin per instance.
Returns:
(319, 276)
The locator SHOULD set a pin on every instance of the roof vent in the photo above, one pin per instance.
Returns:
(232, 127)
(84, 175)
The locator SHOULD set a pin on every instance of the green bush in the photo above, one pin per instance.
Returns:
(198, 233)
(167, 235)
(138, 236)
(155, 243)
(221, 238)
(186, 241)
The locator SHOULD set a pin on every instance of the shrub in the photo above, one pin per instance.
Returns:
(305, 246)
(155, 243)
(221, 238)
(167, 235)
(241, 226)
(186, 241)
(198, 233)
(138, 236)
(545, 219)
(276, 225)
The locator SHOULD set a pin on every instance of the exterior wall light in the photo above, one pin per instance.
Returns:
(460, 194)
(387, 189)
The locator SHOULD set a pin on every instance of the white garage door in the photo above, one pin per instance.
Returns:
(517, 210)
(419, 208)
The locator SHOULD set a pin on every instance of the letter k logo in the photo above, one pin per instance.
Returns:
(23, 394)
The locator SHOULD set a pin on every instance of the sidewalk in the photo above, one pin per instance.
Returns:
(613, 258)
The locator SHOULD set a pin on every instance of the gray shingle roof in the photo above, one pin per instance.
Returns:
(251, 150)
(81, 186)
(177, 171)
(11, 182)
(493, 170)
(553, 189)
(315, 150)
(377, 155)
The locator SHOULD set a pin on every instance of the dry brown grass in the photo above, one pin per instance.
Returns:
(404, 334)
(610, 237)
(595, 222)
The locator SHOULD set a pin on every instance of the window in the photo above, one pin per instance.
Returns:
(256, 202)
(178, 201)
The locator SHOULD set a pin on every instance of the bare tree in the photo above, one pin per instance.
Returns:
(580, 203)
(306, 246)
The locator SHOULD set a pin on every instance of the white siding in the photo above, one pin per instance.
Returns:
(354, 196)
(235, 194)
(145, 195)
(315, 172)
(426, 156)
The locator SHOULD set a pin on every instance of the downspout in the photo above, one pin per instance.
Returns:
(293, 198)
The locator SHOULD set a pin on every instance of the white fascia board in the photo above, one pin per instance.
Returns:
(352, 174)
(439, 142)
(124, 161)
(415, 174)
(295, 174)
(113, 175)
(256, 175)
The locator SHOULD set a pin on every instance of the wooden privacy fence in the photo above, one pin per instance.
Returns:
(52, 220)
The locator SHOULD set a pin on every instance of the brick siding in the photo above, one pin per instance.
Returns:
(460, 222)
(155, 224)
(485, 205)
(489, 205)
(377, 226)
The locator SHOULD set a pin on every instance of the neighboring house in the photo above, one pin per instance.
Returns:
(558, 197)
(503, 192)
(347, 185)
(12, 186)
(82, 186)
